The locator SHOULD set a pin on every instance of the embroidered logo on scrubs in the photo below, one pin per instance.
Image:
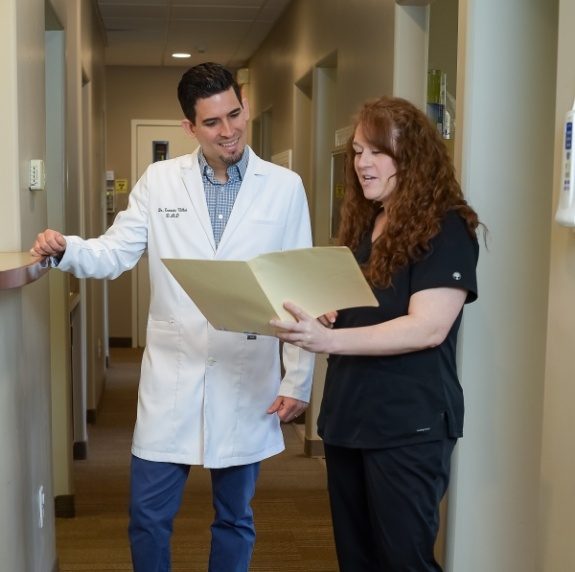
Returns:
(456, 276)
(172, 212)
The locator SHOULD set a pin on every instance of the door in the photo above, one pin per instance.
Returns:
(152, 140)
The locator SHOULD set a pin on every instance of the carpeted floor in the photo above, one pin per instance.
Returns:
(291, 505)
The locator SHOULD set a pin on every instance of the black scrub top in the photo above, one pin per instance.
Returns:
(388, 401)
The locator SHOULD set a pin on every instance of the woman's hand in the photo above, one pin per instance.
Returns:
(431, 314)
(306, 332)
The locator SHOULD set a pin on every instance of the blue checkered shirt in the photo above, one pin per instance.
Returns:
(220, 197)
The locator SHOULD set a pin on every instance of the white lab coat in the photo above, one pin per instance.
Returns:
(203, 393)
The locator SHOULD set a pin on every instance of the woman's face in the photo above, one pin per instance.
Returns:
(375, 170)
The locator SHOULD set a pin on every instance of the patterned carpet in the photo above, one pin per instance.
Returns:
(291, 504)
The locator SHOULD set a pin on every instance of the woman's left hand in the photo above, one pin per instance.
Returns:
(306, 332)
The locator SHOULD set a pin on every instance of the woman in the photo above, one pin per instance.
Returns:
(392, 408)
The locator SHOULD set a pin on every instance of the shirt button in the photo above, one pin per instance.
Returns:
(220, 216)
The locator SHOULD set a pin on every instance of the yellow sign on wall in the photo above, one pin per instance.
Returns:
(121, 185)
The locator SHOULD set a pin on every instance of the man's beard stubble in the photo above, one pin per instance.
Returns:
(230, 160)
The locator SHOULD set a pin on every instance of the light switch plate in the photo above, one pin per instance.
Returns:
(37, 175)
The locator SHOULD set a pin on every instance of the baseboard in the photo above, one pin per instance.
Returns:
(80, 451)
(300, 419)
(313, 447)
(64, 506)
(91, 415)
(120, 342)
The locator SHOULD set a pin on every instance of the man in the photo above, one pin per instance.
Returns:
(206, 397)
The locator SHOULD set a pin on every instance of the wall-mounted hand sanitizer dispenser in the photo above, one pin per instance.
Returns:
(566, 210)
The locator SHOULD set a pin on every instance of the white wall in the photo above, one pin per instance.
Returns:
(506, 126)
(443, 36)
(25, 388)
(13, 492)
(24, 333)
(62, 434)
(360, 32)
(411, 48)
(10, 212)
(557, 518)
(91, 88)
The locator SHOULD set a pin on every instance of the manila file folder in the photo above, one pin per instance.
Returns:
(243, 296)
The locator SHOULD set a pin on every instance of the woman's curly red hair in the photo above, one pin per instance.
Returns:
(426, 188)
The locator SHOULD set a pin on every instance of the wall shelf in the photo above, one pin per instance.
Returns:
(20, 268)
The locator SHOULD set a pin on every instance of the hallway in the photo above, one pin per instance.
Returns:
(291, 504)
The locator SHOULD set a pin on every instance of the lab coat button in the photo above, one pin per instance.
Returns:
(211, 361)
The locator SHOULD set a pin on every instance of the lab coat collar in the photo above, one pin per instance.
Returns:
(249, 191)
(192, 179)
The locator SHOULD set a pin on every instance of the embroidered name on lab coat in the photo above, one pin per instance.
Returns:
(172, 212)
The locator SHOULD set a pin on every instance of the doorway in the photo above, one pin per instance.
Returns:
(152, 140)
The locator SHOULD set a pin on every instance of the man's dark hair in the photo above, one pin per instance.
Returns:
(201, 81)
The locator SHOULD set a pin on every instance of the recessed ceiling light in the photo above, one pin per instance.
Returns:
(181, 55)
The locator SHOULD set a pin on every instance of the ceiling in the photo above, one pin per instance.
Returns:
(147, 32)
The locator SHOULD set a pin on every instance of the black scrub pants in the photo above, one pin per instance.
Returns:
(385, 505)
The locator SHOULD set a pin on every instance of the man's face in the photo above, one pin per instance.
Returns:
(220, 128)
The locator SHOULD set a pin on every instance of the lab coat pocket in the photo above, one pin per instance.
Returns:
(257, 388)
(265, 214)
(159, 382)
(262, 235)
(169, 325)
(256, 373)
(263, 220)
(163, 341)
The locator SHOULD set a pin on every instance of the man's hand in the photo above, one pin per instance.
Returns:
(287, 408)
(328, 319)
(48, 243)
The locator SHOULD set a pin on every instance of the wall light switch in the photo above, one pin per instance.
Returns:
(37, 175)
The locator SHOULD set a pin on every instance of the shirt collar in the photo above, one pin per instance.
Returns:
(236, 170)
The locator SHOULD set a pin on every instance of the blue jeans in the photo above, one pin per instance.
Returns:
(155, 498)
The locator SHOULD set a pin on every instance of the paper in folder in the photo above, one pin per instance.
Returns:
(243, 296)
